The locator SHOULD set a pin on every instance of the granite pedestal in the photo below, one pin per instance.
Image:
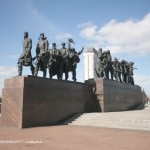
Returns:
(29, 101)
(34, 101)
(115, 96)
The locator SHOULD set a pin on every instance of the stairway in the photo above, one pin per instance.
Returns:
(135, 119)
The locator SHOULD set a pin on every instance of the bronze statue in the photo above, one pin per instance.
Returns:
(120, 71)
(73, 59)
(65, 59)
(99, 70)
(117, 70)
(124, 71)
(109, 65)
(42, 55)
(55, 62)
(26, 58)
(131, 68)
(106, 59)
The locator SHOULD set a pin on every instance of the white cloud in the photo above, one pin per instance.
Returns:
(63, 36)
(89, 32)
(130, 36)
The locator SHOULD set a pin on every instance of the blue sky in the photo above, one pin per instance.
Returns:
(122, 26)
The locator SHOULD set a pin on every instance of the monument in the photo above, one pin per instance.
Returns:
(29, 101)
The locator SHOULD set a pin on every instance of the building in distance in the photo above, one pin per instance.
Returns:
(89, 63)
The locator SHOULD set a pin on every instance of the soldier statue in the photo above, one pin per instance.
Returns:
(131, 68)
(73, 58)
(70, 59)
(107, 64)
(42, 55)
(65, 61)
(26, 58)
(55, 62)
(117, 70)
(124, 71)
(99, 66)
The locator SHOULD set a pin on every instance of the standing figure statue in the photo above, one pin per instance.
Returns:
(26, 58)
(99, 67)
(128, 71)
(55, 62)
(131, 68)
(124, 71)
(117, 70)
(65, 59)
(42, 55)
(107, 64)
(73, 58)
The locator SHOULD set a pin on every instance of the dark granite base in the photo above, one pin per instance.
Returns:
(29, 101)
(34, 101)
(115, 96)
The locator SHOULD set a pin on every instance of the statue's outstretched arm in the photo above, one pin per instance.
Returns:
(80, 52)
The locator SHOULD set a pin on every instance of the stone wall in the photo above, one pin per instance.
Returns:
(115, 96)
(33, 101)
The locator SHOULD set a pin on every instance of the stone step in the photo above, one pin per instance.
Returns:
(110, 121)
(137, 119)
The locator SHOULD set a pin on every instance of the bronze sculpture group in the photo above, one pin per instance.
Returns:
(64, 60)
(121, 71)
(57, 61)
